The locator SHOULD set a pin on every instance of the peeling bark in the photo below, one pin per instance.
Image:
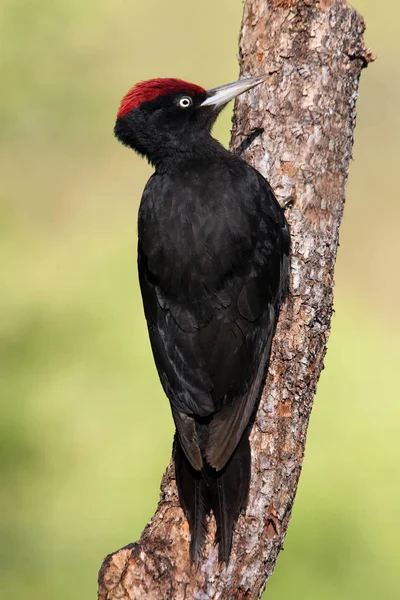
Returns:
(298, 131)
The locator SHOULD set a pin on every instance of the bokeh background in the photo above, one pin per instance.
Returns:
(85, 430)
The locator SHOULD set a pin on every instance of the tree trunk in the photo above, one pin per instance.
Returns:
(297, 130)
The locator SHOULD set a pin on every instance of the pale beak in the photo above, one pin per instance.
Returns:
(219, 96)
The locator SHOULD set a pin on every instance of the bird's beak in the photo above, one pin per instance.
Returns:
(218, 97)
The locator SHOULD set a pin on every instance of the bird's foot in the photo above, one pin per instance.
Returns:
(287, 202)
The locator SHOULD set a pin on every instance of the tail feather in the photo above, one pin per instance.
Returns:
(229, 490)
(194, 498)
(224, 492)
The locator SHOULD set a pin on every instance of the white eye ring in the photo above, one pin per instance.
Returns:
(185, 102)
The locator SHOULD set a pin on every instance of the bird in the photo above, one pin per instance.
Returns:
(213, 263)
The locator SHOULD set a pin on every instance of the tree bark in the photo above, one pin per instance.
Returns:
(297, 130)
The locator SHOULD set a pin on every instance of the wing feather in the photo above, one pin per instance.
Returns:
(211, 330)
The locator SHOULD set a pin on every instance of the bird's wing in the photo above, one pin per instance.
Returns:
(258, 304)
(212, 353)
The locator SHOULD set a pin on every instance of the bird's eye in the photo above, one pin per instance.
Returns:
(185, 102)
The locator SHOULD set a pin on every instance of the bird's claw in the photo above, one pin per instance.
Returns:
(287, 202)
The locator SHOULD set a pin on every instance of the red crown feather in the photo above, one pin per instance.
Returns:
(146, 91)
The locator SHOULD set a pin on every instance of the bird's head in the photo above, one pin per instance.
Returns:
(165, 117)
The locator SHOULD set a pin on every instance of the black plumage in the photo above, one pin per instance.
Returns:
(213, 254)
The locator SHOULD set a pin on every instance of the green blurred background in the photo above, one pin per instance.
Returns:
(85, 430)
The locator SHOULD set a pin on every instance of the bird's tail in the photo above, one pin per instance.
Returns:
(224, 492)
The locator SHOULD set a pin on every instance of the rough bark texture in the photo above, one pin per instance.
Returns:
(298, 131)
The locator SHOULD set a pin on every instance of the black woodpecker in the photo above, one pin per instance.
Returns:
(213, 259)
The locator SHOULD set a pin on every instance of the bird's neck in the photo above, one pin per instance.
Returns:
(175, 156)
